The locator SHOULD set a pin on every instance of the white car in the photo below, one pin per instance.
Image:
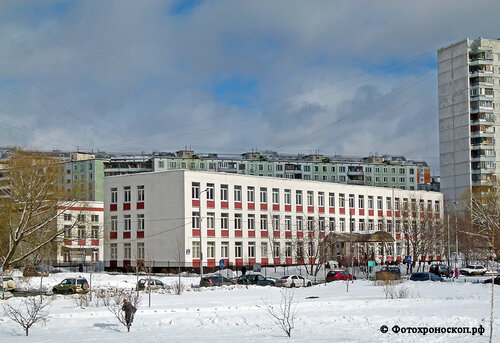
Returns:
(293, 281)
(473, 270)
(8, 283)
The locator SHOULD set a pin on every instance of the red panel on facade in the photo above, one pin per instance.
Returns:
(277, 260)
(300, 234)
(299, 209)
(251, 261)
(288, 260)
(398, 236)
(70, 242)
(398, 258)
(224, 233)
(439, 258)
(389, 214)
(310, 234)
(312, 260)
(113, 207)
(288, 234)
(126, 206)
(370, 212)
(405, 214)
(238, 233)
(140, 234)
(276, 207)
(210, 204)
(113, 263)
(251, 233)
(140, 205)
(321, 209)
(310, 209)
(276, 234)
(421, 214)
(331, 210)
(238, 261)
(398, 214)
(422, 258)
(361, 212)
(352, 211)
(224, 204)
(211, 263)
(196, 233)
(430, 258)
(321, 235)
(126, 263)
(196, 203)
(380, 213)
(263, 233)
(288, 208)
(126, 234)
(95, 242)
(342, 210)
(251, 206)
(437, 215)
(113, 235)
(263, 261)
(196, 263)
(211, 233)
(237, 205)
(263, 207)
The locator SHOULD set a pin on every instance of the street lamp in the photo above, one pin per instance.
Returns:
(456, 232)
(201, 241)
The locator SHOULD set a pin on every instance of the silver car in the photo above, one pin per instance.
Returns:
(293, 281)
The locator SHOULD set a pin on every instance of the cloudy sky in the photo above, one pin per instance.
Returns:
(227, 76)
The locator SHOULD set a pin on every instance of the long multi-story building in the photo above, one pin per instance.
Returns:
(468, 80)
(169, 217)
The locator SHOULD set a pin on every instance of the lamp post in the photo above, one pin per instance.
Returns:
(201, 241)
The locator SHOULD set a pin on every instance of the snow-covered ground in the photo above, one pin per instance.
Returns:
(325, 313)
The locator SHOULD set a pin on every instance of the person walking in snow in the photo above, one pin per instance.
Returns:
(456, 273)
(129, 310)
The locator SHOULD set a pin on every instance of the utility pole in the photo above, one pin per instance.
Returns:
(448, 220)
(201, 231)
(351, 247)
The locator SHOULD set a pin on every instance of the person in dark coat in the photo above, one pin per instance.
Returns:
(129, 310)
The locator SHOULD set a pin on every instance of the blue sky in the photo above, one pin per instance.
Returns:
(347, 77)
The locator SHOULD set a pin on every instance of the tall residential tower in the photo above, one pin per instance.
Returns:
(469, 87)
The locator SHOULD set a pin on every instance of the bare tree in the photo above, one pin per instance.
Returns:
(30, 196)
(115, 306)
(284, 314)
(31, 311)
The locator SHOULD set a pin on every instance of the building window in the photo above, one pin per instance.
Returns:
(288, 250)
(140, 222)
(298, 198)
(224, 221)
(288, 197)
(140, 193)
(380, 226)
(67, 216)
(251, 222)
(81, 218)
(237, 193)
(361, 225)
(299, 223)
(321, 199)
(351, 200)
(277, 250)
(276, 196)
(211, 220)
(251, 249)
(310, 224)
(237, 221)
(276, 223)
(140, 251)
(210, 250)
(223, 193)
(263, 222)
(341, 200)
(127, 253)
(263, 196)
(370, 202)
(436, 206)
(94, 218)
(331, 199)
(389, 226)
(113, 249)
(195, 190)
(380, 203)
(127, 194)
(331, 225)
(161, 164)
(288, 223)
(396, 204)
(310, 198)
(263, 249)
(361, 201)
(238, 247)
(94, 232)
(210, 192)
(321, 224)
(251, 194)
(370, 225)
(67, 231)
(342, 225)
(173, 165)
(224, 250)
(114, 223)
(127, 222)
(196, 249)
(388, 203)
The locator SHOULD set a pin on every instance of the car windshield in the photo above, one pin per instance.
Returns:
(284, 277)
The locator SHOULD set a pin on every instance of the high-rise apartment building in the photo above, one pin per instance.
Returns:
(469, 87)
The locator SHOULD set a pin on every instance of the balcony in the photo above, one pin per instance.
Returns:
(485, 134)
(355, 171)
(355, 182)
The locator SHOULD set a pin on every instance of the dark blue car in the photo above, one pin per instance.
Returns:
(425, 277)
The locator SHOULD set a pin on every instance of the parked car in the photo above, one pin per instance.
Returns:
(255, 279)
(215, 280)
(440, 270)
(425, 277)
(149, 284)
(497, 280)
(473, 270)
(72, 286)
(293, 281)
(8, 283)
(335, 275)
(388, 273)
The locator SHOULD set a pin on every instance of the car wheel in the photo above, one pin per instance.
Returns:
(292, 285)
(309, 284)
(54, 290)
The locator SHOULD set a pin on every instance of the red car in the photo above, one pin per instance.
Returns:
(335, 275)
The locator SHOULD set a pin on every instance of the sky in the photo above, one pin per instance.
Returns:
(336, 77)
